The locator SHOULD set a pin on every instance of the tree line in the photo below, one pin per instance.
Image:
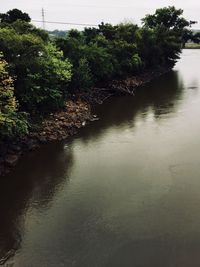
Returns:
(38, 74)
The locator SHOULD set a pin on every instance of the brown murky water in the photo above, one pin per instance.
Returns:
(125, 192)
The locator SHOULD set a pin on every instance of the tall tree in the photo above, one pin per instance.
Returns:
(168, 17)
(171, 31)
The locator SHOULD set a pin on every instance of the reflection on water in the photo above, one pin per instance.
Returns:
(33, 185)
(160, 97)
(123, 192)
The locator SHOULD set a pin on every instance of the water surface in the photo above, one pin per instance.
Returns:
(124, 192)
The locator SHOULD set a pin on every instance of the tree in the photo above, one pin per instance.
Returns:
(127, 32)
(171, 31)
(12, 123)
(46, 84)
(100, 62)
(90, 34)
(148, 48)
(23, 27)
(82, 76)
(108, 30)
(42, 75)
(14, 15)
(72, 48)
(168, 17)
(195, 37)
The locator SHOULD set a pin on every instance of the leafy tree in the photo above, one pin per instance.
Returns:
(171, 32)
(12, 123)
(75, 34)
(125, 58)
(45, 86)
(72, 48)
(127, 32)
(110, 51)
(23, 27)
(108, 30)
(41, 73)
(82, 76)
(14, 15)
(148, 48)
(100, 62)
(90, 34)
(168, 17)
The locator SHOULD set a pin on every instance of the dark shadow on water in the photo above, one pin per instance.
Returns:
(159, 97)
(37, 178)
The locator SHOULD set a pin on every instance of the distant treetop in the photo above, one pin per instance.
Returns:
(14, 15)
(168, 17)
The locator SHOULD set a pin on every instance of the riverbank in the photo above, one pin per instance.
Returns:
(76, 114)
(57, 126)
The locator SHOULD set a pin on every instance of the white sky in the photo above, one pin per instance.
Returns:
(94, 12)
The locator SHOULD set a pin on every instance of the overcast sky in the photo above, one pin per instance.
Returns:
(94, 12)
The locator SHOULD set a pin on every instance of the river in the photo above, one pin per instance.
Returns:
(124, 192)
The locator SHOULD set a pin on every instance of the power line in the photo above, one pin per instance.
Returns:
(64, 23)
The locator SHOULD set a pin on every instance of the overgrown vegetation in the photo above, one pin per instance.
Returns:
(46, 71)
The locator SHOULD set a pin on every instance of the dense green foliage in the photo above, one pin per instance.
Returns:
(47, 70)
(41, 73)
(112, 52)
(12, 123)
(14, 15)
(108, 52)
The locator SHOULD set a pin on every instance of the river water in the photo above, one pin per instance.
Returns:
(124, 192)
